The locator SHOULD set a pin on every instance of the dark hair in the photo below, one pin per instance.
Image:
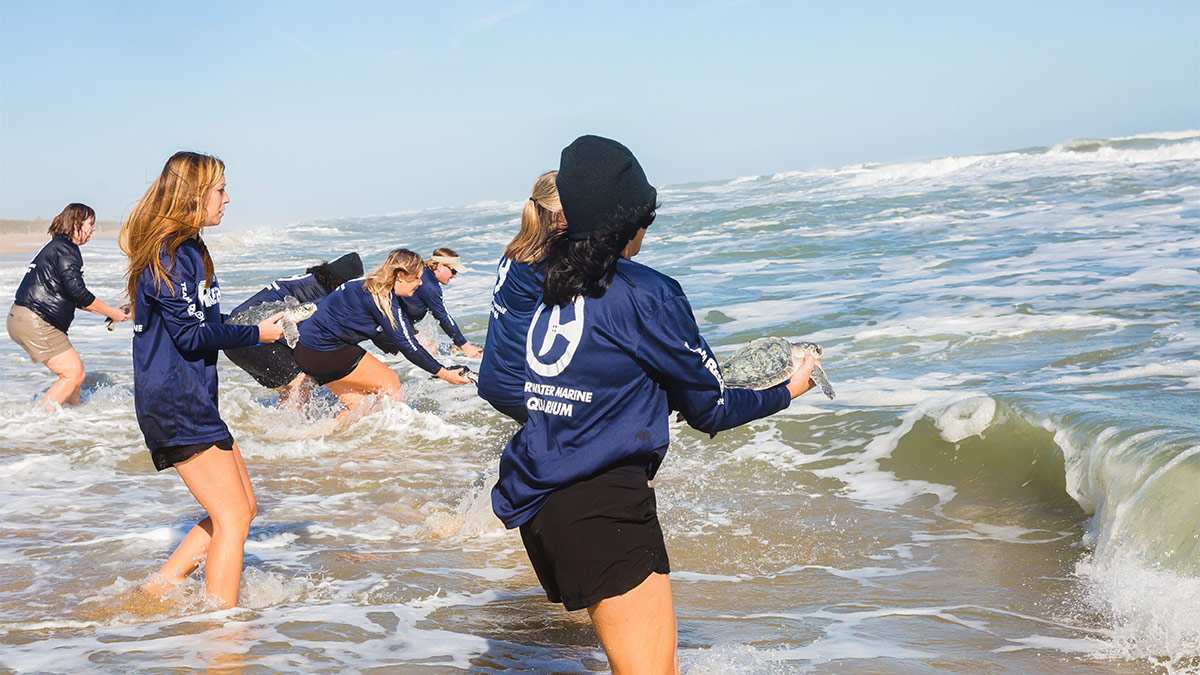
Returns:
(586, 267)
(70, 220)
(325, 276)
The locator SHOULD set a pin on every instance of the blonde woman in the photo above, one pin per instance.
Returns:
(177, 334)
(328, 350)
(439, 270)
(50, 291)
(515, 297)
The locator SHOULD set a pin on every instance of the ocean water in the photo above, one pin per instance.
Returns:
(1007, 481)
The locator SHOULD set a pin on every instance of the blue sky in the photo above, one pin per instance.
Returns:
(324, 109)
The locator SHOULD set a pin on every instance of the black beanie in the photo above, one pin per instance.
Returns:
(596, 177)
(347, 267)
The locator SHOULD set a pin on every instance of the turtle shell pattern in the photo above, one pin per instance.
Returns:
(293, 310)
(769, 361)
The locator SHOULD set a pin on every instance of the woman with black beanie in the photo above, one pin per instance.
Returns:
(613, 349)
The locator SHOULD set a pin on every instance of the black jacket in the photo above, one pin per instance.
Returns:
(53, 286)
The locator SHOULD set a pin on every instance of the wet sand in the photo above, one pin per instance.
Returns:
(16, 238)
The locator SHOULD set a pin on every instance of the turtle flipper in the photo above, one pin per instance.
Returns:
(291, 332)
(818, 376)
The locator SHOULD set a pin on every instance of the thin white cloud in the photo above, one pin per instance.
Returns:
(489, 21)
(295, 41)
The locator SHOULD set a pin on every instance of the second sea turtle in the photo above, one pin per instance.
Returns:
(768, 361)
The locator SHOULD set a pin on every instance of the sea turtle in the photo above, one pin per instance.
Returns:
(766, 362)
(464, 371)
(293, 310)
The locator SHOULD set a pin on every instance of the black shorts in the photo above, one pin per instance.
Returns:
(517, 412)
(271, 365)
(597, 538)
(165, 458)
(326, 367)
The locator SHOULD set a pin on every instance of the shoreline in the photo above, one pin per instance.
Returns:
(17, 242)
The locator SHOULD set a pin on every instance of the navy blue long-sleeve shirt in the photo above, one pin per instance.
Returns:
(177, 334)
(428, 299)
(515, 297)
(349, 315)
(53, 285)
(304, 288)
(602, 375)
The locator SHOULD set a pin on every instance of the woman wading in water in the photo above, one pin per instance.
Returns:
(613, 348)
(50, 291)
(177, 334)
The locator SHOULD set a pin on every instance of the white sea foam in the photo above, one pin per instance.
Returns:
(1166, 135)
(1155, 614)
(1107, 153)
(734, 658)
(863, 575)
(970, 417)
(993, 326)
(1180, 369)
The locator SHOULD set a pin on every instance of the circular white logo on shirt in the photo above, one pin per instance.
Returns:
(502, 273)
(556, 338)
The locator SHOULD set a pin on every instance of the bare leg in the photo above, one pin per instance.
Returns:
(428, 341)
(637, 628)
(69, 369)
(295, 394)
(218, 480)
(371, 376)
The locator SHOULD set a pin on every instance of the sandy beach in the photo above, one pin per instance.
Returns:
(16, 241)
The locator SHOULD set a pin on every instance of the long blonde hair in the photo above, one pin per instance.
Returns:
(381, 282)
(537, 221)
(170, 213)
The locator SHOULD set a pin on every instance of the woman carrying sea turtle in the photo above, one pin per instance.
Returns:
(515, 297)
(272, 365)
(358, 310)
(613, 348)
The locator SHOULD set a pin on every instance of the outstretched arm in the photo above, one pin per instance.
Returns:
(183, 314)
(432, 297)
(399, 332)
(104, 309)
(672, 349)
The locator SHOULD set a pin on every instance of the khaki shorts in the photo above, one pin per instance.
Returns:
(35, 335)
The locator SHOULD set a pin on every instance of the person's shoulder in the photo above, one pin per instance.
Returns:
(186, 250)
(349, 294)
(532, 269)
(646, 280)
(297, 279)
(60, 244)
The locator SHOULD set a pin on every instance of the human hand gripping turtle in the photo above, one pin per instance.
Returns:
(456, 375)
(269, 329)
(801, 380)
(767, 362)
